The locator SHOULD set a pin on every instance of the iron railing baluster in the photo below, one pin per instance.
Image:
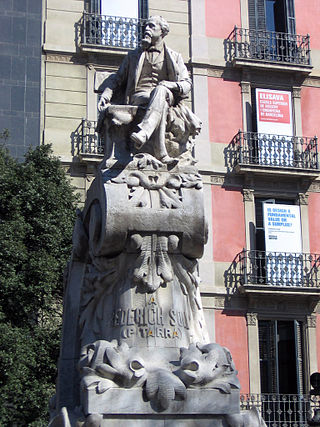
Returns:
(263, 45)
(278, 269)
(280, 151)
(112, 31)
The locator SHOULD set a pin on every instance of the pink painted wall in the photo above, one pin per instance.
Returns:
(307, 15)
(310, 107)
(314, 226)
(225, 109)
(221, 17)
(228, 224)
(231, 332)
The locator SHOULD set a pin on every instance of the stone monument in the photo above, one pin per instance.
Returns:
(135, 348)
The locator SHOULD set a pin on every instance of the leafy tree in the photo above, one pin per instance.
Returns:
(37, 212)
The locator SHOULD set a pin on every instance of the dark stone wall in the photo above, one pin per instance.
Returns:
(20, 73)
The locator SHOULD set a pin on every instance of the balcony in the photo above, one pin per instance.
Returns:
(101, 31)
(278, 410)
(277, 154)
(276, 273)
(261, 48)
(86, 143)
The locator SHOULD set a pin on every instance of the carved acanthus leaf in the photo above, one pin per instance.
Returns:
(153, 265)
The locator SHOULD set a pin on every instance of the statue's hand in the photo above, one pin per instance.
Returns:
(102, 104)
(173, 86)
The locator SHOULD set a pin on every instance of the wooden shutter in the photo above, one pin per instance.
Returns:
(143, 9)
(95, 6)
(298, 332)
(291, 23)
(257, 14)
(268, 356)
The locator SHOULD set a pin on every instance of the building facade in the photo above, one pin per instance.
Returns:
(20, 73)
(255, 66)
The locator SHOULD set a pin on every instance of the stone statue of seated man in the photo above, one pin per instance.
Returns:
(156, 78)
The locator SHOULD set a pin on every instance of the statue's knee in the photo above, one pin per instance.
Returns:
(161, 90)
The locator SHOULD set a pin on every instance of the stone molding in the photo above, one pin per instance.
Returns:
(296, 92)
(248, 195)
(303, 199)
(315, 187)
(245, 87)
(252, 319)
(217, 179)
(53, 57)
(312, 321)
(219, 302)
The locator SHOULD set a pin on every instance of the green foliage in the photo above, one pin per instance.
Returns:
(37, 213)
(5, 134)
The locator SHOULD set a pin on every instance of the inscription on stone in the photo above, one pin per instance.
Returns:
(150, 322)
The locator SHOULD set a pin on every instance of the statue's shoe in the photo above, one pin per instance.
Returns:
(139, 138)
(168, 160)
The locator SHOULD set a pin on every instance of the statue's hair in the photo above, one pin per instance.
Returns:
(162, 22)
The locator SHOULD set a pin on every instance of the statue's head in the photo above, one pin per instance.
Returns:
(156, 28)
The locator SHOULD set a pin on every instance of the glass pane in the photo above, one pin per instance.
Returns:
(270, 18)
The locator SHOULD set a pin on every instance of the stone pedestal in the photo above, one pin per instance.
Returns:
(135, 348)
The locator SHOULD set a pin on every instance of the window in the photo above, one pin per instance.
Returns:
(272, 30)
(272, 141)
(282, 377)
(272, 15)
(260, 231)
(281, 356)
(278, 259)
(116, 24)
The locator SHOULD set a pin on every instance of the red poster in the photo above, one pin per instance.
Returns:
(273, 106)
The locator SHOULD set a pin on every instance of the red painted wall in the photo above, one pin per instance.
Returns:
(307, 15)
(231, 332)
(314, 226)
(228, 224)
(310, 107)
(225, 110)
(221, 17)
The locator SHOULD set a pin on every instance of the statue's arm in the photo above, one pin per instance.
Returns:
(182, 85)
(184, 81)
(112, 82)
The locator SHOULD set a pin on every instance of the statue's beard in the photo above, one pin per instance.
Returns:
(146, 42)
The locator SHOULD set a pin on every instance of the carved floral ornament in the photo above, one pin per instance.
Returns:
(248, 195)
(303, 199)
(252, 319)
(147, 178)
(312, 321)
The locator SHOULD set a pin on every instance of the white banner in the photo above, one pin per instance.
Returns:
(282, 227)
(274, 116)
(284, 265)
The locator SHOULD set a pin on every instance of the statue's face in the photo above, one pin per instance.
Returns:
(153, 31)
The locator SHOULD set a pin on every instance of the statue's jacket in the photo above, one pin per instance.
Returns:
(127, 76)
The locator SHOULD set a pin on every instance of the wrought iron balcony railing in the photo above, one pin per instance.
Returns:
(280, 151)
(110, 31)
(269, 46)
(86, 141)
(281, 269)
(279, 410)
